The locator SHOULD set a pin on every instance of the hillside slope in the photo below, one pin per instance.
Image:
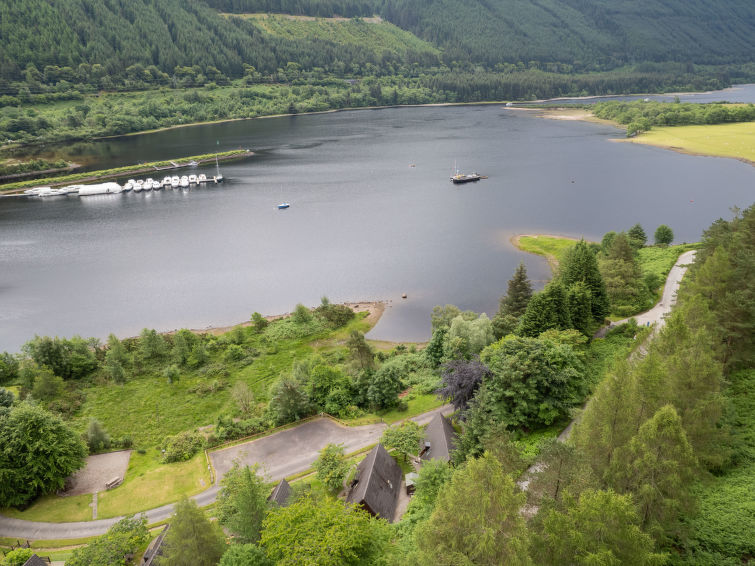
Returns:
(588, 33)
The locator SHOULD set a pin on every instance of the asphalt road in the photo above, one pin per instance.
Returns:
(280, 455)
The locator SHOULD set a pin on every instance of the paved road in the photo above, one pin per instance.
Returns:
(281, 454)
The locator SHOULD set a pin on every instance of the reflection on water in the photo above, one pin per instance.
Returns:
(363, 223)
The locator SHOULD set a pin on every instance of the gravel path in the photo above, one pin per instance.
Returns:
(282, 454)
(99, 470)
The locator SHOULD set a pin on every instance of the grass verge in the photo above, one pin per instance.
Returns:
(55, 509)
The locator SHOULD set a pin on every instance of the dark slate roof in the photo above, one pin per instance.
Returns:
(35, 560)
(377, 483)
(281, 494)
(441, 437)
(155, 549)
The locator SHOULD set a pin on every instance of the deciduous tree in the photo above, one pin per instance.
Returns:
(324, 532)
(461, 379)
(331, 467)
(124, 538)
(404, 438)
(663, 235)
(39, 451)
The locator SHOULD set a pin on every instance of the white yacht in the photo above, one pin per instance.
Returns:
(192, 179)
(157, 185)
(166, 182)
(175, 181)
(184, 181)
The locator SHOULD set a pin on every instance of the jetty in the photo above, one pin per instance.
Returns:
(100, 176)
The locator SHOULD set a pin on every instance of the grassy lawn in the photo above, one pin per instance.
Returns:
(720, 140)
(552, 248)
(150, 484)
(55, 509)
(420, 404)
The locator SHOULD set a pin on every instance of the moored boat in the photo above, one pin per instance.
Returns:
(184, 181)
(192, 179)
(283, 205)
(460, 178)
(202, 178)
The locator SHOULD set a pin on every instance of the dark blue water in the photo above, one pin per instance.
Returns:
(363, 224)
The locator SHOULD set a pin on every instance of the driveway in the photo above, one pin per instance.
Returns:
(280, 455)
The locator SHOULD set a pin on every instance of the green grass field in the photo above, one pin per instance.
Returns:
(552, 248)
(147, 407)
(371, 33)
(55, 509)
(720, 140)
(149, 484)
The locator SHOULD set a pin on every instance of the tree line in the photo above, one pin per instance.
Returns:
(642, 116)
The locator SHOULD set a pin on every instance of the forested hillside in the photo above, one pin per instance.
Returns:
(595, 34)
(155, 41)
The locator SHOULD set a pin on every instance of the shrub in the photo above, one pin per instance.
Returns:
(301, 314)
(233, 353)
(96, 437)
(172, 373)
(182, 446)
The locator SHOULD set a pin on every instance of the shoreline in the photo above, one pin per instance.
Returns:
(550, 258)
(638, 140)
(375, 310)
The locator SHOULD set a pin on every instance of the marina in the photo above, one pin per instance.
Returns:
(136, 185)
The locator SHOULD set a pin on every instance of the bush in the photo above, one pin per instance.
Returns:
(96, 437)
(335, 316)
(233, 353)
(172, 373)
(301, 314)
(288, 329)
(181, 447)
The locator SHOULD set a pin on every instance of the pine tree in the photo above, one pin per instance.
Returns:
(580, 307)
(518, 294)
(657, 467)
(637, 236)
(476, 519)
(580, 264)
(192, 538)
(513, 304)
(623, 277)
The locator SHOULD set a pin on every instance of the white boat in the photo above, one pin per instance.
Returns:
(202, 178)
(166, 182)
(192, 179)
(137, 187)
(148, 185)
(73, 189)
(184, 181)
(35, 192)
(100, 189)
(175, 181)
(157, 185)
(128, 186)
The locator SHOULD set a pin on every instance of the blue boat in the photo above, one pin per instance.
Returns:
(283, 205)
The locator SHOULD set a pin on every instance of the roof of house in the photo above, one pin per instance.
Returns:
(377, 483)
(441, 437)
(281, 493)
(35, 560)
(155, 548)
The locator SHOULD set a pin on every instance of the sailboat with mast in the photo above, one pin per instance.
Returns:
(218, 175)
(458, 178)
